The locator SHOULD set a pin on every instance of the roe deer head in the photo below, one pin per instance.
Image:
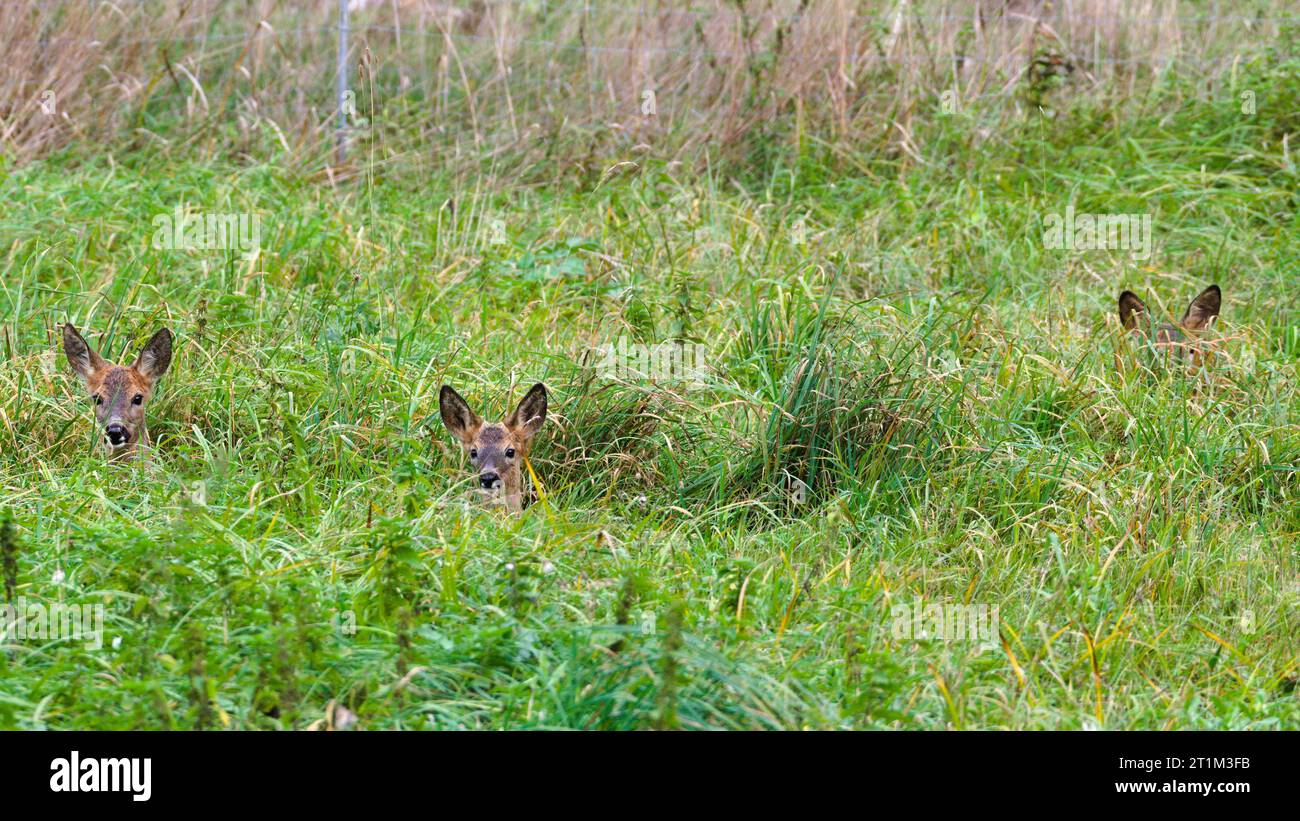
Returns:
(1173, 342)
(496, 449)
(120, 393)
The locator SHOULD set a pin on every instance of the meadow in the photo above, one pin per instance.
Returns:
(909, 403)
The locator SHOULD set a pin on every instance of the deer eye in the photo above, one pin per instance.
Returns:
(99, 400)
(138, 399)
(510, 453)
(473, 453)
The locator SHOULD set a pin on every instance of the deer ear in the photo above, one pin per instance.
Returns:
(1203, 309)
(456, 415)
(531, 413)
(156, 356)
(1129, 305)
(83, 357)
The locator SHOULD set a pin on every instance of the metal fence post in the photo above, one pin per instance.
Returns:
(340, 151)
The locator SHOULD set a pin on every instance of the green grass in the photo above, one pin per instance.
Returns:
(946, 388)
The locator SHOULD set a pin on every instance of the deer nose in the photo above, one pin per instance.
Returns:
(117, 434)
(488, 480)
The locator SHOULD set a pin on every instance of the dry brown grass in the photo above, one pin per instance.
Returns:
(570, 79)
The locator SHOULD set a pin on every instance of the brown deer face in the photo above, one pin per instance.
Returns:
(496, 449)
(120, 393)
(1173, 342)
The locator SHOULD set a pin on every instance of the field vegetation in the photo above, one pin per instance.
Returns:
(910, 403)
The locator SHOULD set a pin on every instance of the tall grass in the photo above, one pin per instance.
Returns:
(562, 90)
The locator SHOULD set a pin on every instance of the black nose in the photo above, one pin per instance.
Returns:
(488, 480)
(117, 434)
